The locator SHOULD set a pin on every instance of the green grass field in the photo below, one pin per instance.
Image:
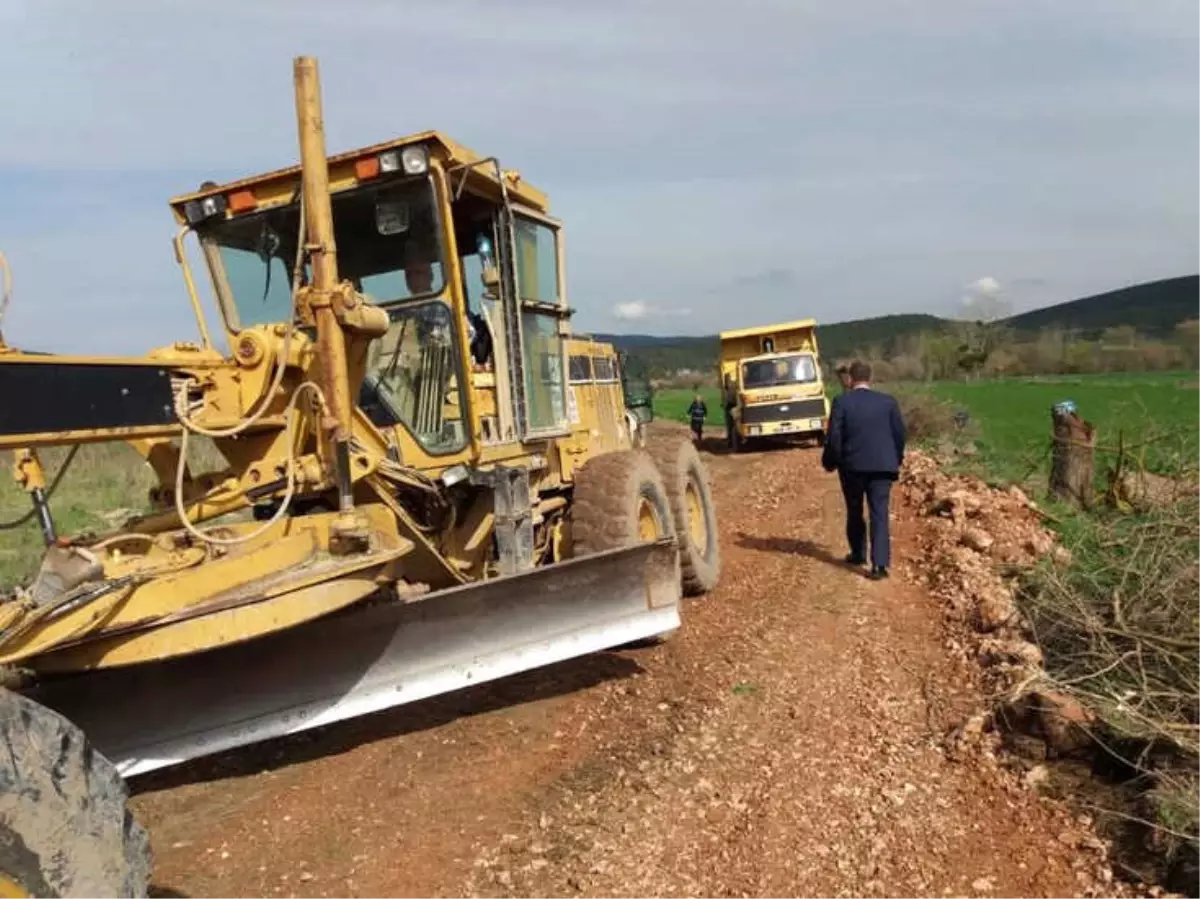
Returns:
(1012, 416)
(1156, 413)
(105, 483)
(673, 405)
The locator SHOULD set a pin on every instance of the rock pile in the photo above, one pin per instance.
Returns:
(978, 539)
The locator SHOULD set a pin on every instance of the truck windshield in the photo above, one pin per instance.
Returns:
(796, 369)
(388, 246)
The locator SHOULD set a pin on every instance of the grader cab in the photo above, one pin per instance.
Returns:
(410, 502)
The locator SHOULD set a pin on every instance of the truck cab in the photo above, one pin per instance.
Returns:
(771, 383)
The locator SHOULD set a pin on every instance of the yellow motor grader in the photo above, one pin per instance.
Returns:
(410, 500)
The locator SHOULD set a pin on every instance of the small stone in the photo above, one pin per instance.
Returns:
(1039, 544)
(995, 652)
(307, 876)
(977, 539)
(983, 884)
(1036, 776)
(996, 608)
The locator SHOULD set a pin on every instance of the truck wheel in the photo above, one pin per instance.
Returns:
(620, 500)
(689, 491)
(64, 826)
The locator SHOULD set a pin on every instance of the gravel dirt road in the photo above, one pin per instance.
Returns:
(788, 741)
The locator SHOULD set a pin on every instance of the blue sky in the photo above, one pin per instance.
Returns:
(716, 164)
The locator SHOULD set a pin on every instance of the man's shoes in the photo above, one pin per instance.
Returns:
(878, 573)
(852, 559)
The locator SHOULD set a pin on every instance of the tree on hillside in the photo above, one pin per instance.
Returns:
(1120, 337)
(979, 328)
(1187, 336)
(939, 355)
(1118, 349)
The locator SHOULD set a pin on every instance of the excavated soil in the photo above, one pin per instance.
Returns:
(790, 740)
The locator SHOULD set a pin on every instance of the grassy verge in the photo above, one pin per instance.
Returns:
(105, 483)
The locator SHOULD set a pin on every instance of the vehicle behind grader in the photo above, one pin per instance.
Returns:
(415, 496)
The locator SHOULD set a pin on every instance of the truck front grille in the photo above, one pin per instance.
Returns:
(789, 411)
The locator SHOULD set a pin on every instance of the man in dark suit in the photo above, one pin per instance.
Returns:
(865, 444)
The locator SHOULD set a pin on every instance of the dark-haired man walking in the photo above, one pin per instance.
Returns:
(865, 445)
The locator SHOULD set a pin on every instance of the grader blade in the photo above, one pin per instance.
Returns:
(363, 660)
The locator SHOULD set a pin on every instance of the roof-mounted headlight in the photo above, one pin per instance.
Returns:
(389, 162)
(205, 208)
(414, 160)
(409, 160)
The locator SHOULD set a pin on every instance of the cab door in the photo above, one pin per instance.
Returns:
(536, 322)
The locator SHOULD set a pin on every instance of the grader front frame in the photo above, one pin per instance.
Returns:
(408, 504)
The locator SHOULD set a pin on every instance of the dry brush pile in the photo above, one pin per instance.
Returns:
(1089, 650)
(1120, 629)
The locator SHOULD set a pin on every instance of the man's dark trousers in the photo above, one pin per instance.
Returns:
(875, 489)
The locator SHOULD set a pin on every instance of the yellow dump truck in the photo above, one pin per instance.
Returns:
(771, 383)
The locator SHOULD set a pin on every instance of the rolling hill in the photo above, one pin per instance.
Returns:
(1153, 308)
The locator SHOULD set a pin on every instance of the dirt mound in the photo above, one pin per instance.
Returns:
(975, 542)
(976, 539)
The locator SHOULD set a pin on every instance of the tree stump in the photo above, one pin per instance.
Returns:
(1073, 458)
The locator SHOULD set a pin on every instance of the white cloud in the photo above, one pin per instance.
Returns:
(987, 286)
(984, 301)
(631, 311)
(635, 310)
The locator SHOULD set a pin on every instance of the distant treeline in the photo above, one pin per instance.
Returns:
(1136, 328)
(973, 350)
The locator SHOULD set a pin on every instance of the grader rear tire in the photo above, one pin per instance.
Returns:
(64, 826)
(689, 492)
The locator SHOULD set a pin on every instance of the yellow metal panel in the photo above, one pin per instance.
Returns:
(279, 186)
(769, 329)
(166, 594)
(339, 589)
